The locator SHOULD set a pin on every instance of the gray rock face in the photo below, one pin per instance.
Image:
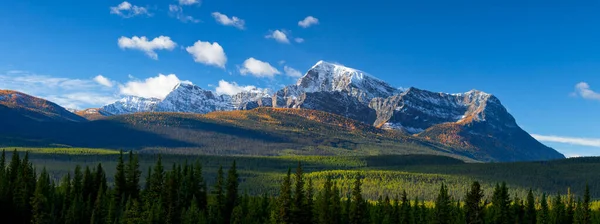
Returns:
(131, 104)
(193, 99)
(474, 120)
(416, 110)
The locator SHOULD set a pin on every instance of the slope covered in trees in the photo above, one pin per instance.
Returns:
(181, 195)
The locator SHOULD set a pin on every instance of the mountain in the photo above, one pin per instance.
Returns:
(131, 104)
(474, 124)
(35, 108)
(190, 98)
(92, 113)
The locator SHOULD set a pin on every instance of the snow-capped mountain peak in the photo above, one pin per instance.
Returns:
(131, 104)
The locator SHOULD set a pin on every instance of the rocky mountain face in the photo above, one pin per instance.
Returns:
(190, 98)
(131, 104)
(473, 121)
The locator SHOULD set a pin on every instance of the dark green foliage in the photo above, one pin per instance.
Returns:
(443, 207)
(474, 205)
(179, 195)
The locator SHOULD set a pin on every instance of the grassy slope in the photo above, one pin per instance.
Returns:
(268, 131)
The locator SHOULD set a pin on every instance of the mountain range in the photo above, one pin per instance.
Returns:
(473, 124)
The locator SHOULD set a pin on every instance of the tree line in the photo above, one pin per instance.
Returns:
(180, 195)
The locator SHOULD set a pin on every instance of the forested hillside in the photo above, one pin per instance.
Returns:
(182, 195)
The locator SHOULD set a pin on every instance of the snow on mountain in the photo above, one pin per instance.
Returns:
(416, 110)
(240, 100)
(131, 104)
(190, 98)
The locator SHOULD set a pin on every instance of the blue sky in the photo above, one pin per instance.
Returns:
(530, 55)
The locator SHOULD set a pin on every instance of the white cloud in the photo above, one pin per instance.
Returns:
(308, 21)
(103, 81)
(207, 53)
(583, 90)
(232, 88)
(291, 72)
(67, 92)
(153, 87)
(127, 10)
(299, 40)
(594, 142)
(279, 36)
(177, 12)
(148, 47)
(226, 21)
(258, 68)
(189, 2)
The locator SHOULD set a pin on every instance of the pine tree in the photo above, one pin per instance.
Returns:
(133, 174)
(231, 199)
(120, 182)
(405, 209)
(570, 213)
(585, 206)
(443, 207)
(558, 210)
(285, 200)
(336, 207)
(324, 202)
(200, 187)
(501, 205)
(41, 203)
(299, 207)
(530, 211)
(544, 213)
(309, 202)
(358, 207)
(474, 206)
(100, 212)
(217, 211)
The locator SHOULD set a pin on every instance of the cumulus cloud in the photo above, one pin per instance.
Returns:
(67, 92)
(583, 90)
(177, 12)
(291, 72)
(594, 142)
(308, 21)
(153, 87)
(189, 2)
(232, 88)
(127, 10)
(148, 47)
(299, 40)
(279, 36)
(103, 81)
(258, 68)
(227, 21)
(208, 54)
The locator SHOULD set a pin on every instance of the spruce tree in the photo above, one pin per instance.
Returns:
(120, 182)
(585, 206)
(41, 203)
(405, 209)
(474, 206)
(501, 205)
(558, 210)
(133, 174)
(285, 200)
(443, 207)
(544, 213)
(309, 213)
(530, 211)
(358, 207)
(299, 207)
(231, 198)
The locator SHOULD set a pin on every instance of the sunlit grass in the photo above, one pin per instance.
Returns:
(65, 151)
